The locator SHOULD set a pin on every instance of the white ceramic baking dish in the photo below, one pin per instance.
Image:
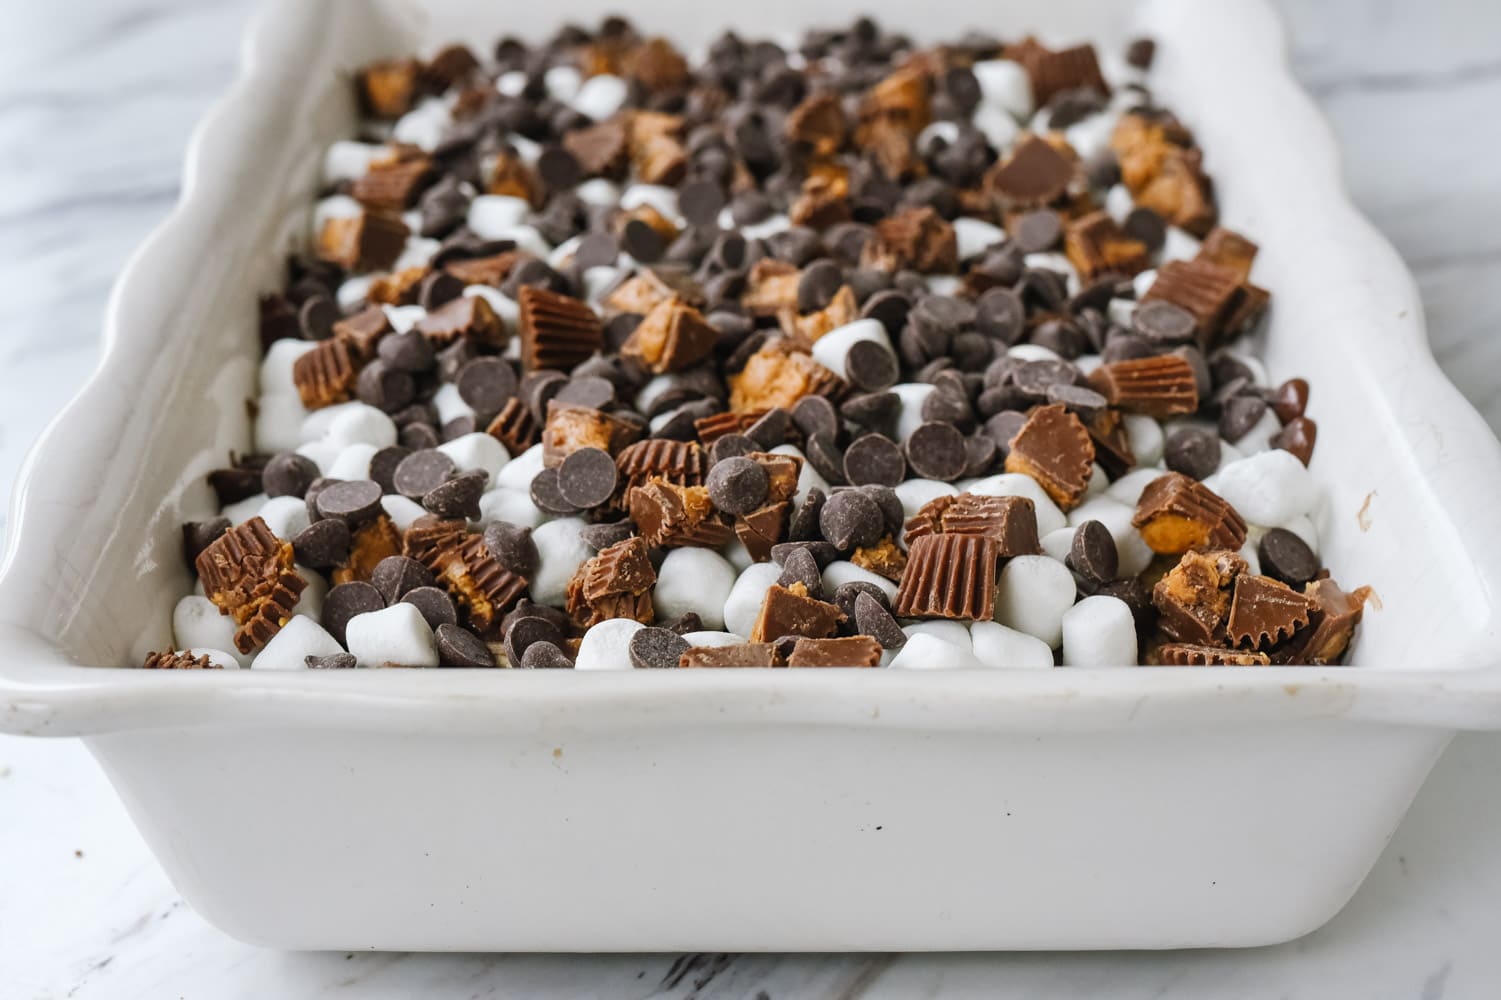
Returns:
(753, 810)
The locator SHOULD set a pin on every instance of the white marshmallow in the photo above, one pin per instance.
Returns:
(314, 589)
(1143, 282)
(944, 131)
(1268, 488)
(352, 291)
(1092, 135)
(512, 506)
(424, 125)
(1303, 527)
(285, 516)
(1005, 84)
(1249, 554)
(997, 125)
(345, 159)
(909, 417)
(769, 226)
(1145, 435)
(477, 450)
(1058, 544)
(713, 639)
(598, 281)
(1087, 363)
(995, 645)
(663, 199)
(833, 348)
(562, 83)
(197, 624)
(511, 84)
(944, 284)
(914, 493)
(298, 639)
(747, 596)
(1259, 438)
(807, 477)
(1099, 632)
(598, 191)
(1032, 595)
(361, 424)
(397, 636)
(507, 309)
(449, 404)
(497, 213)
(224, 659)
(239, 513)
(1130, 547)
(560, 553)
(953, 633)
(607, 646)
(1179, 245)
(696, 580)
(928, 652)
(600, 96)
(403, 318)
(278, 422)
(1119, 203)
(1120, 311)
(401, 511)
(1228, 453)
(335, 206)
(528, 151)
(975, 236)
(839, 572)
(519, 472)
(654, 387)
(276, 367)
(1032, 352)
(737, 555)
(1016, 484)
(353, 462)
(1097, 483)
(1128, 488)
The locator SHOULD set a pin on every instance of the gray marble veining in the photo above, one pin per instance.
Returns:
(96, 104)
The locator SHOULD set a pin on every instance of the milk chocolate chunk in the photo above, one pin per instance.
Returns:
(1333, 621)
(1033, 175)
(1266, 612)
(514, 427)
(1054, 448)
(1096, 245)
(1010, 521)
(248, 573)
(671, 337)
(790, 611)
(1193, 598)
(670, 516)
(751, 654)
(570, 428)
(1176, 514)
(1179, 654)
(850, 651)
(949, 576)
(1161, 386)
(170, 660)
(616, 583)
(1052, 71)
(557, 331)
(763, 528)
(370, 241)
(918, 239)
(469, 318)
(601, 150)
(327, 374)
(392, 184)
(1204, 289)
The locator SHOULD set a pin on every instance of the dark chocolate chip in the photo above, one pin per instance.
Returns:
(737, 485)
(1093, 554)
(770, 430)
(546, 494)
(980, 456)
(407, 352)
(890, 307)
(438, 289)
(890, 504)
(385, 388)
(601, 536)
(288, 474)
(355, 501)
(459, 496)
(1037, 232)
(937, 451)
(459, 647)
(323, 543)
(1163, 322)
(545, 656)
(799, 566)
(199, 535)
(642, 242)
(826, 458)
(1000, 314)
(1141, 52)
(421, 472)
(587, 478)
(850, 519)
(383, 466)
(804, 524)
(876, 411)
(434, 604)
(393, 576)
(1147, 226)
(1085, 402)
(688, 621)
(873, 619)
(730, 446)
(814, 416)
(512, 547)
(598, 249)
(592, 391)
(558, 169)
(870, 366)
(656, 648)
(1193, 451)
(419, 437)
(344, 601)
(1004, 426)
(700, 202)
(874, 458)
(1239, 415)
(1286, 557)
(1289, 400)
(486, 384)
(454, 357)
(817, 284)
(822, 552)
(333, 661)
(847, 595)
(317, 317)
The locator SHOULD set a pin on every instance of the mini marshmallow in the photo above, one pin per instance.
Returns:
(1058, 544)
(335, 206)
(423, 126)
(1303, 527)
(278, 421)
(654, 387)
(512, 506)
(402, 511)
(276, 367)
(1032, 352)
(1143, 282)
(298, 639)
(362, 424)
(1145, 435)
(224, 659)
(599, 280)
(560, 553)
(1006, 85)
(1132, 549)
(1087, 363)
(416, 253)
(909, 417)
(607, 646)
(323, 452)
(598, 192)
(839, 572)
(345, 159)
(1258, 370)
(943, 131)
(1259, 438)
(975, 236)
(747, 596)
(1268, 488)
(1016, 484)
(494, 213)
(1179, 245)
(507, 309)
(314, 590)
(807, 477)
(512, 84)
(737, 555)
(1097, 483)
(1228, 453)
(601, 96)
(1120, 311)
(696, 580)
(244, 510)
(833, 348)
(403, 318)
(914, 493)
(1119, 203)
(1032, 595)
(953, 633)
(928, 652)
(663, 199)
(1099, 631)
(1128, 488)
(997, 125)
(518, 473)
(397, 636)
(197, 624)
(766, 227)
(285, 516)
(995, 645)
(944, 284)
(528, 151)
(449, 404)
(1092, 135)
(1253, 559)
(353, 291)
(353, 462)
(562, 83)
(477, 451)
(713, 639)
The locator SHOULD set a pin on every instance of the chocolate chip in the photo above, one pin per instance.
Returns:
(459, 496)
(587, 478)
(323, 543)
(700, 202)
(1239, 415)
(1192, 451)
(1286, 557)
(889, 307)
(876, 411)
(937, 451)
(437, 290)
(512, 547)
(799, 566)
(590, 391)
(980, 456)
(459, 647)
(443, 208)
(656, 648)
(598, 249)
(421, 472)
(317, 317)
(737, 485)
(1141, 52)
(817, 285)
(310, 499)
(383, 466)
(1147, 226)
(1085, 402)
(385, 388)
(407, 352)
(1000, 314)
(332, 661)
(434, 603)
(771, 429)
(822, 552)
(1163, 322)
(1035, 378)
(486, 384)
(419, 437)
(870, 366)
(826, 458)
(558, 169)
(545, 656)
(355, 501)
(1290, 399)
(546, 494)
(288, 474)
(730, 446)
(874, 620)
(846, 595)
(344, 601)
(1093, 554)
(815, 415)
(874, 458)
(642, 242)
(1004, 426)
(601, 536)
(1297, 438)
(851, 520)
(393, 576)
(199, 535)
(1037, 232)
(803, 526)
(524, 632)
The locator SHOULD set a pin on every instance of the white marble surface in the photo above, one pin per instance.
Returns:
(96, 102)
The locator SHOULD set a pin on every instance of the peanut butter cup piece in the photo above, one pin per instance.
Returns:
(1161, 386)
(468, 317)
(790, 611)
(1180, 654)
(1032, 175)
(514, 427)
(750, 654)
(670, 516)
(851, 651)
(1176, 513)
(1206, 290)
(949, 576)
(171, 660)
(1193, 598)
(557, 331)
(1010, 521)
(570, 428)
(1265, 612)
(917, 239)
(370, 241)
(1054, 448)
(671, 337)
(248, 573)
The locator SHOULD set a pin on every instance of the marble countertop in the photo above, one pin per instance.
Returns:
(95, 109)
